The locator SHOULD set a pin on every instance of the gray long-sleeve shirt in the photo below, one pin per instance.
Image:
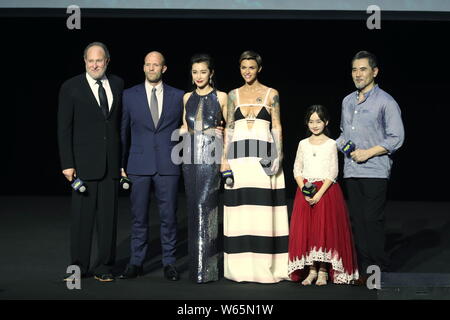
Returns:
(375, 121)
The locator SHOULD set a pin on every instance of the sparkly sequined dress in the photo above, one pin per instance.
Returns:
(201, 172)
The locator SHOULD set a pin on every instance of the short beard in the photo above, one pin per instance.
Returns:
(364, 85)
(154, 81)
(360, 87)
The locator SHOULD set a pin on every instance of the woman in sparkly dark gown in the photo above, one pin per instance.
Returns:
(204, 108)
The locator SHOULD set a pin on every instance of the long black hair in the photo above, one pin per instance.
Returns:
(323, 114)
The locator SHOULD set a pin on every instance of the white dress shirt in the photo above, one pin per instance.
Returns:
(159, 95)
(94, 87)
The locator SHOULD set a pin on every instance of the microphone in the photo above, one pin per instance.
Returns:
(266, 164)
(78, 185)
(125, 183)
(348, 148)
(228, 178)
(309, 189)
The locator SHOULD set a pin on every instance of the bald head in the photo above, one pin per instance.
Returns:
(154, 67)
(156, 55)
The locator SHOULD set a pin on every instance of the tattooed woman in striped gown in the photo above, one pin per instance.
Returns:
(255, 213)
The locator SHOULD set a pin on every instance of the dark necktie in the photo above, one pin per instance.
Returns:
(154, 107)
(103, 99)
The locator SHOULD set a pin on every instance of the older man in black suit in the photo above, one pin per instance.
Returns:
(89, 143)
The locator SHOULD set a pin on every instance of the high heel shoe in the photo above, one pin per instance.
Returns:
(322, 278)
(310, 278)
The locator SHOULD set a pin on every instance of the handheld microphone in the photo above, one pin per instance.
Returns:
(348, 148)
(125, 183)
(228, 178)
(266, 164)
(309, 189)
(78, 185)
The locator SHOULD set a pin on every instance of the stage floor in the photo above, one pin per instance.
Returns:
(34, 256)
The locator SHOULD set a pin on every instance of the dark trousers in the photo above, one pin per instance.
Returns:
(166, 188)
(366, 203)
(97, 206)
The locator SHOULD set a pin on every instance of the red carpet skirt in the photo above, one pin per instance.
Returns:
(322, 233)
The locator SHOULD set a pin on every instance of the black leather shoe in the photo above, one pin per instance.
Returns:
(171, 273)
(106, 277)
(131, 272)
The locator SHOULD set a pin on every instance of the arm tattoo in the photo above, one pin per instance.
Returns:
(276, 111)
(230, 109)
(276, 125)
(229, 129)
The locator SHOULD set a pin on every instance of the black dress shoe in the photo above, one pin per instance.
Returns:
(106, 277)
(131, 272)
(171, 273)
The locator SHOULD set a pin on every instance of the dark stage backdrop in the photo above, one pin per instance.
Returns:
(308, 61)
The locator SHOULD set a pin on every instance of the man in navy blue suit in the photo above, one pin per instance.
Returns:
(151, 112)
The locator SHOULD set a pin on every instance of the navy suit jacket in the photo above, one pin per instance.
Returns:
(146, 150)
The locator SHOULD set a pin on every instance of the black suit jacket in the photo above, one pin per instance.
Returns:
(87, 141)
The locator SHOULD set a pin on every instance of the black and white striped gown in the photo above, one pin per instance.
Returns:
(255, 214)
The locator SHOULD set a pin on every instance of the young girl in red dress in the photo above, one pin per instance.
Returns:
(320, 238)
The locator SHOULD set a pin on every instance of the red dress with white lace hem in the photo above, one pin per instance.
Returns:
(322, 233)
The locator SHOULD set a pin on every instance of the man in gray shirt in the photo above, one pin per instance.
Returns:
(371, 119)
